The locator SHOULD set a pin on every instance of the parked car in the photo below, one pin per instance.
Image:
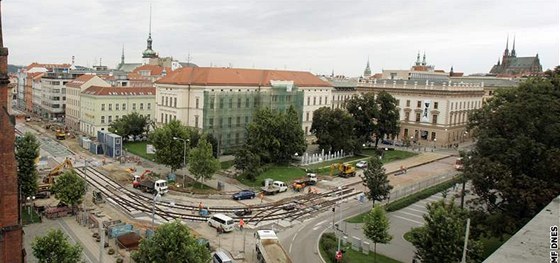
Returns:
(361, 164)
(244, 212)
(244, 194)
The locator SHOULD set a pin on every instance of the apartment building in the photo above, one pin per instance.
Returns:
(53, 94)
(222, 101)
(74, 89)
(99, 106)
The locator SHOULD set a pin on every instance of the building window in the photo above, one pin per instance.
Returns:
(175, 102)
(238, 123)
(162, 100)
(418, 104)
(149, 106)
(308, 100)
(435, 105)
(211, 102)
(230, 103)
(196, 121)
(434, 119)
(116, 106)
(306, 130)
(221, 103)
(211, 123)
(102, 119)
(320, 100)
(103, 107)
(314, 100)
(407, 116)
(307, 116)
(110, 106)
(116, 116)
(238, 103)
(124, 106)
(161, 119)
(220, 120)
(398, 103)
(247, 102)
(141, 106)
(133, 106)
(166, 101)
(109, 118)
(197, 99)
(148, 116)
(408, 103)
(229, 122)
(246, 119)
(326, 100)
(418, 117)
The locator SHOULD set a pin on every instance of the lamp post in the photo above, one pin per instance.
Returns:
(435, 140)
(447, 135)
(184, 155)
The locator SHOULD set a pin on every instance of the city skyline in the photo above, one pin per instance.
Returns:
(297, 35)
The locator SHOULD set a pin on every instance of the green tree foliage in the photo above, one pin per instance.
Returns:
(333, 129)
(515, 164)
(55, 248)
(375, 179)
(130, 124)
(248, 162)
(364, 110)
(202, 164)
(388, 118)
(275, 136)
(170, 152)
(441, 239)
(27, 151)
(376, 227)
(172, 242)
(69, 188)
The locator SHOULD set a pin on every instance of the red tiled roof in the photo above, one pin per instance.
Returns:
(48, 66)
(120, 91)
(35, 75)
(79, 81)
(205, 76)
(155, 70)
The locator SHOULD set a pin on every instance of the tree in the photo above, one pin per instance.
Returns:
(27, 152)
(376, 227)
(333, 129)
(515, 164)
(172, 242)
(54, 247)
(365, 112)
(202, 163)
(388, 116)
(275, 136)
(441, 239)
(170, 152)
(375, 179)
(69, 188)
(248, 162)
(131, 124)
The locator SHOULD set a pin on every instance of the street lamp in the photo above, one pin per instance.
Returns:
(157, 197)
(435, 140)
(184, 155)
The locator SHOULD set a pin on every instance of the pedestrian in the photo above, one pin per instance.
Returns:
(241, 224)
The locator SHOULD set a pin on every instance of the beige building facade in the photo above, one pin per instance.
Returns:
(100, 106)
(74, 89)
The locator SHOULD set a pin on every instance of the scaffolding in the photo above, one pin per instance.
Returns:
(226, 114)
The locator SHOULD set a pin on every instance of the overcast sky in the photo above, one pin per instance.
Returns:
(314, 35)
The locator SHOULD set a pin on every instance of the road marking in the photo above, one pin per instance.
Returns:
(320, 223)
(416, 210)
(411, 214)
(414, 221)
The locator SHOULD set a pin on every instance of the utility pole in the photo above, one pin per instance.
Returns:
(464, 259)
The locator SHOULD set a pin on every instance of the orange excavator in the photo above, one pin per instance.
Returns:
(139, 178)
(48, 181)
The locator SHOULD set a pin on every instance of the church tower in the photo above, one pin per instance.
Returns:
(505, 56)
(149, 53)
(367, 71)
(11, 233)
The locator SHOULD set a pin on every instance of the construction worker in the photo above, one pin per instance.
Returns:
(241, 224)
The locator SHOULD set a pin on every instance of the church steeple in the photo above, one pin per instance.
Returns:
(513, 48)
(122, 56)
(367, 71)
(149, 52)
(418, 59)
(424, 59)
(506, 52)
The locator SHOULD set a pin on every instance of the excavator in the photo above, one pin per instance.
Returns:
(49, 179)
(343, 169)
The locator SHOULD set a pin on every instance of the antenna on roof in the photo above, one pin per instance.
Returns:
(150, 27)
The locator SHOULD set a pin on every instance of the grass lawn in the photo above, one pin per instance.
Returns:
(390, 156)
(281, 173)
(357, 219)
(226, 164)
(139, 148)
(29, 218)
(351, 255)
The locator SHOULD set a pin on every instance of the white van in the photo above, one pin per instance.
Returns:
(221, 220)
(221, 257)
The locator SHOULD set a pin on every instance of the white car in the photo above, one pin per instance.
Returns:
(361, 164)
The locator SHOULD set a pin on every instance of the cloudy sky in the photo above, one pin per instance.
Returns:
(314, 35)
